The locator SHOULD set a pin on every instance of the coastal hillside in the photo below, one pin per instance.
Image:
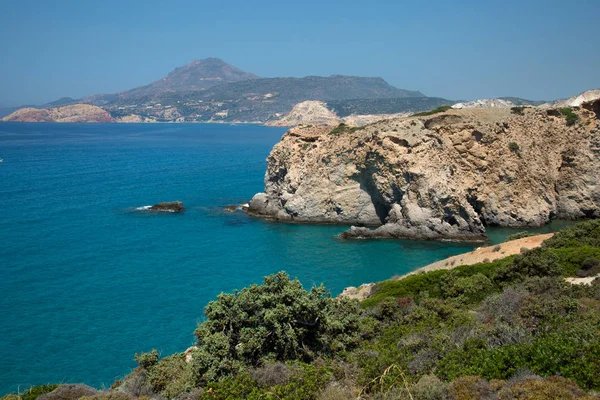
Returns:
(514, 328)
(256, 100)
(441, 175)
(395, 105)
(70, 113)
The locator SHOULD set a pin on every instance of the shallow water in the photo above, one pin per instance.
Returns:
(87, 280)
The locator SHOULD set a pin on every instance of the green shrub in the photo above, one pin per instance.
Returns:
(343, 128)
(536, 388)
(469, 388)
(573, 260)
(580, 234)
(589, 267)
(36, 391)
(173, 376)
(414, 285)
(519, 110)
(536, 262)
(69, 392)
(468, 289)
(570, 116)
(147, 360)
(429, 387)
(520, 235)
(514, 147)
(275, 321)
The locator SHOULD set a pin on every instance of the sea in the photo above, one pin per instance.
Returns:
(88, 277)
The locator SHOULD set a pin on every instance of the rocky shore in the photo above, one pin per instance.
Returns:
(441, 176)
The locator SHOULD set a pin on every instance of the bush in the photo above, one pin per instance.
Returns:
(589, 267)
(434, 111)
(570, 116)
(147, 360)
(514, 147)
(429, 387)
(272, 374)
(468, 289)
(469, 388)
(536, 262)
(537, 388)
(173, 376)
(520, 235)
(66, 392)
(275, 321)
(36, 391)
(503, 307)
(519, 110)
(580, 234)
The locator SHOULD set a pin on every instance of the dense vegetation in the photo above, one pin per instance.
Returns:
(508, 329)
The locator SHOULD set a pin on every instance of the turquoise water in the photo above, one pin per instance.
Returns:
(87, 281)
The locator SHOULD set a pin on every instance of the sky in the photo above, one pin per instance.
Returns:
(540, 50)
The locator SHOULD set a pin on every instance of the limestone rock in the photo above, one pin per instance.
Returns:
(361, 293)
(444, 176)
(316, 113)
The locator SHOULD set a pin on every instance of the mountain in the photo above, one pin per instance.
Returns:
(334, 87)
(211, 90)
(256, 100)
(197, 75)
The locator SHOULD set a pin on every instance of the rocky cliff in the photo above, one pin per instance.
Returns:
(444, 176)
(70, 113)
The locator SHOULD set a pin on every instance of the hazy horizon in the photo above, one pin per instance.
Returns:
(538, 50)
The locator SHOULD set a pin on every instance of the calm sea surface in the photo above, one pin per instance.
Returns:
(86, 280)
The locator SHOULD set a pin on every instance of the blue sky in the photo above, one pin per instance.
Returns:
(454, 49)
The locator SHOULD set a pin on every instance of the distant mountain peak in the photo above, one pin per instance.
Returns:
(198, 74)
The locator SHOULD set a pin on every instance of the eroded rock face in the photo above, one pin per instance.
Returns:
(170, 206)
(444, 176)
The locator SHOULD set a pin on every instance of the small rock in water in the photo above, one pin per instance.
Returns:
(171, 206)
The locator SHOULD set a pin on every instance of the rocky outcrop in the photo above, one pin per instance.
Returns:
(70, 113)
(444, 176)
(359, 293)
(170, 206)
(308, 113)
(317, 113)
(485, 103)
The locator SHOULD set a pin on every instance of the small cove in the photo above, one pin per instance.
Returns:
(88, 280)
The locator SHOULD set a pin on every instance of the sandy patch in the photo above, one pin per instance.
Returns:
(490, 253)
